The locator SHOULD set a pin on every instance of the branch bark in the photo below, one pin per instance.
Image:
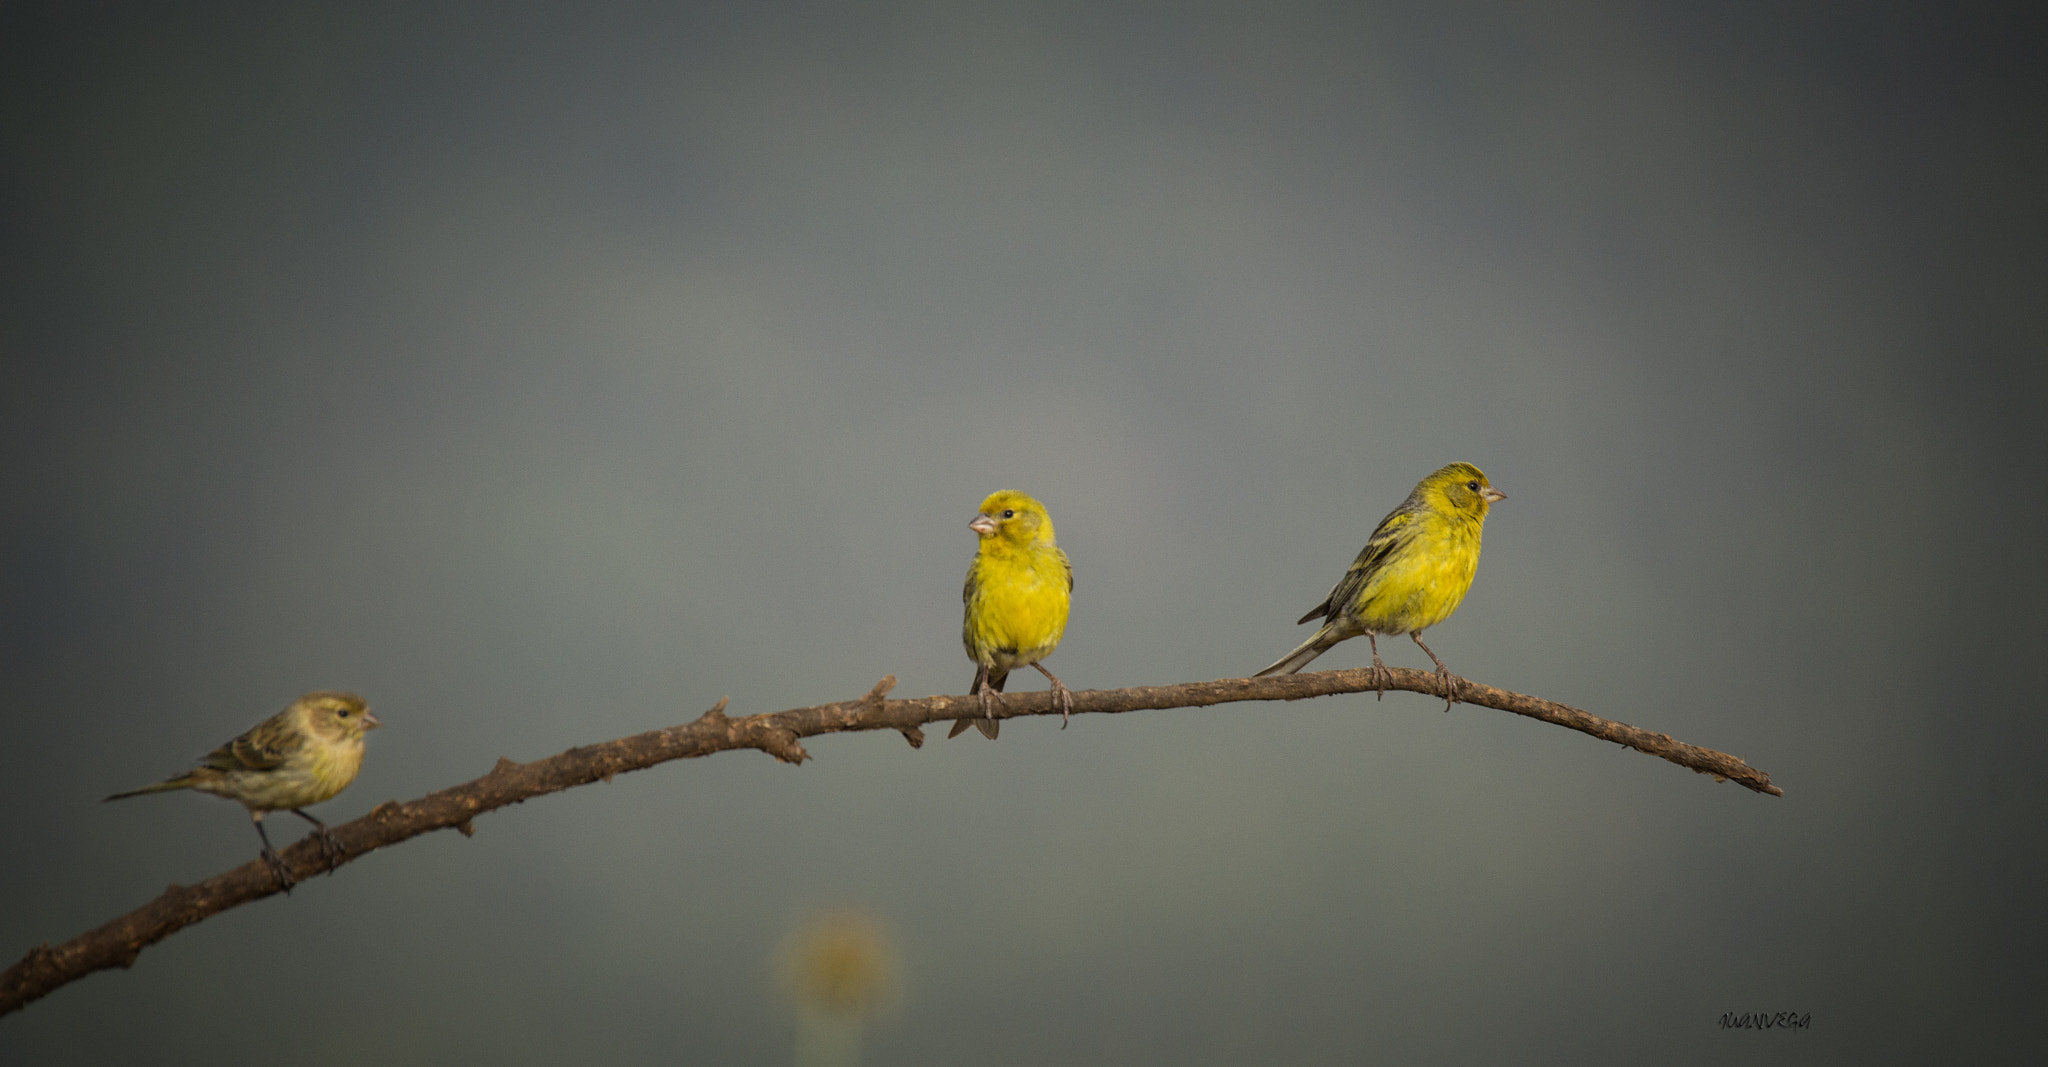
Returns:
(779, 734)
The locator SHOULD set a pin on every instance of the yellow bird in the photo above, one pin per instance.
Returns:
(307, 753)
(1018, 590)
(1413, 573)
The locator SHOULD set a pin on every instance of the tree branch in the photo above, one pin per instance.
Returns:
(780, 734)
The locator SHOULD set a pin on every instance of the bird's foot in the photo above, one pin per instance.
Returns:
(1449, 681)
(278, 870)
(1066, 699)
(986, 722)
(1381, 678)
(330, 849)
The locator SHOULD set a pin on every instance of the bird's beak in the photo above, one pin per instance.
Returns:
(1491, 494)
(983, 525)
(370, 720)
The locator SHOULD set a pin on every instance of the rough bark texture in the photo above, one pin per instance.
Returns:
(780, 734)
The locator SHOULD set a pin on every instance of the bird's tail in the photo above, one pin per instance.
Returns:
(183, 781)
(1309, 650)
(989, 728)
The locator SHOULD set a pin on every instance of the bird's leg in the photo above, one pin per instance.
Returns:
(1060, 692)
(990, 699)
(1443, 673)
(987, 724)
(1381, 676)
(271, 859)
(330, 849)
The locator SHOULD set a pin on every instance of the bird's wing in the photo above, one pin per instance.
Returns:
(1069, 565)
(1392, 532)
(267, 745)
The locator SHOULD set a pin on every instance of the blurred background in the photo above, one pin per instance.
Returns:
(547, 372)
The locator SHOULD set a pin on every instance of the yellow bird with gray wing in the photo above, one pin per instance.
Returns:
(1018, 590)
(1412, 574)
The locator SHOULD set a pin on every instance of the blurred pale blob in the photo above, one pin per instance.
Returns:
(841, 970)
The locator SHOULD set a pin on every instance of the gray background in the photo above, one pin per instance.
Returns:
(546, 373)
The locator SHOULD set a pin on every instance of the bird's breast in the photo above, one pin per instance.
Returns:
(1422, 583)
(1020, 605)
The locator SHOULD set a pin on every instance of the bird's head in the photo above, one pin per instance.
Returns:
(1012, 518)
(1462, 489)
(336, 716)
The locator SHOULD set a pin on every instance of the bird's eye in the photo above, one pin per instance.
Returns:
(1474, 486)
(343, 713)
(1009, 513)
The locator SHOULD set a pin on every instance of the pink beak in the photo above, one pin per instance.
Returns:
(983, 525)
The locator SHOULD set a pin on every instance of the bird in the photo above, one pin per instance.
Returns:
(307, 753)
(1411, 575)
(1018, 590)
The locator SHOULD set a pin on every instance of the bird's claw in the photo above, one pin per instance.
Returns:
(1066, 698)
(330, 849)
(1450, 684)
(278, 870)
(1381, 678)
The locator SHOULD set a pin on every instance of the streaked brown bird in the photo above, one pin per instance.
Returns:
(307, 753)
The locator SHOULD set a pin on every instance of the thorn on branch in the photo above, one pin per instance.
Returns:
(717, 713)
(466, 828)
(913, 735)
(881, 689)
(782, 744)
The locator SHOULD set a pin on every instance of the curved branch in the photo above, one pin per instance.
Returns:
(780, 734)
